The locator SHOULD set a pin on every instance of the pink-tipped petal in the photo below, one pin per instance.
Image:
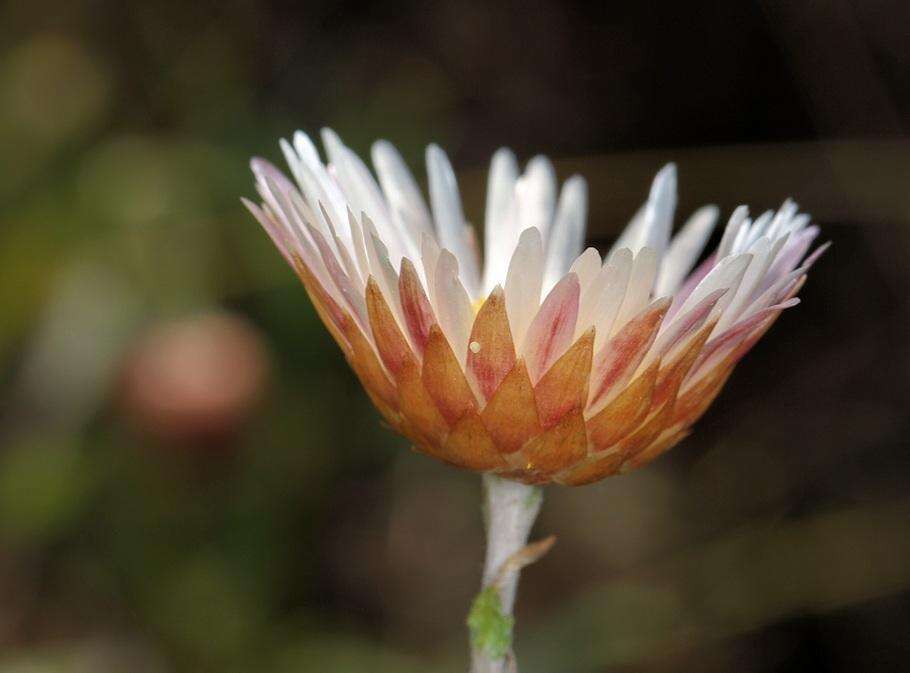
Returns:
(692, 281)
(684, 325)
(418, 314)
(351, 295)
(722, 344)
(552, 329)
(616, 363)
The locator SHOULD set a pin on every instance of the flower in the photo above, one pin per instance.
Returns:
(544, 363)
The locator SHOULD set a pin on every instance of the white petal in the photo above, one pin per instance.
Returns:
(364, 196)
(277, 234)
(687, 245)
(593, 281)
(726, 275)
(454, 313)
(757, 229)
(734, 224)
(429, 256)
(358, 243)
(659, 210)
(782, 219)
(406, 204)
(632, 233)
(799, 223)
(535, 195)
(353, 295)
(279, 228)
(673, 332)
(568, 234)
(275, 192)
(755, 272)
(501, 227)
(615, 282)
(382, 270)
(344, 252)
(587, 266)
(304, 218)
(763, 223)
(763, 280)
(523, 283)
(641, 281)
(652, 223)
(450, 224)
(315, 182)
(306, 149)
(775, 291)
(270, 182)
(794, 249)
(741, 237)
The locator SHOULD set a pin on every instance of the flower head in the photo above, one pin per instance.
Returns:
(539, 362)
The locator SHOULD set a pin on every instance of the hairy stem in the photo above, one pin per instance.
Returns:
(510, 509)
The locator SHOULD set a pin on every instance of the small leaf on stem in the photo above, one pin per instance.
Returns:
(491, 629)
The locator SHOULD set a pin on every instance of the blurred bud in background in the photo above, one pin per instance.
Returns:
(195, 379)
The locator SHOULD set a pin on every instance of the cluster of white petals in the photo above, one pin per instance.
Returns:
(348, 225)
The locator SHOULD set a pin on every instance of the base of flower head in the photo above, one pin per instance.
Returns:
(557, 429)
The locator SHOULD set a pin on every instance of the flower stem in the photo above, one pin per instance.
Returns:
(510, 509)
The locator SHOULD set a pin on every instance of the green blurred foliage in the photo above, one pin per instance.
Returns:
(45, 486)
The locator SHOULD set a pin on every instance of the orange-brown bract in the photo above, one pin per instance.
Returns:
(588, 416)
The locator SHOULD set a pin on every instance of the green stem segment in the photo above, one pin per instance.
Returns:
(510, 509)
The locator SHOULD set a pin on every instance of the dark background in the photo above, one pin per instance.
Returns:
(192, 480)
